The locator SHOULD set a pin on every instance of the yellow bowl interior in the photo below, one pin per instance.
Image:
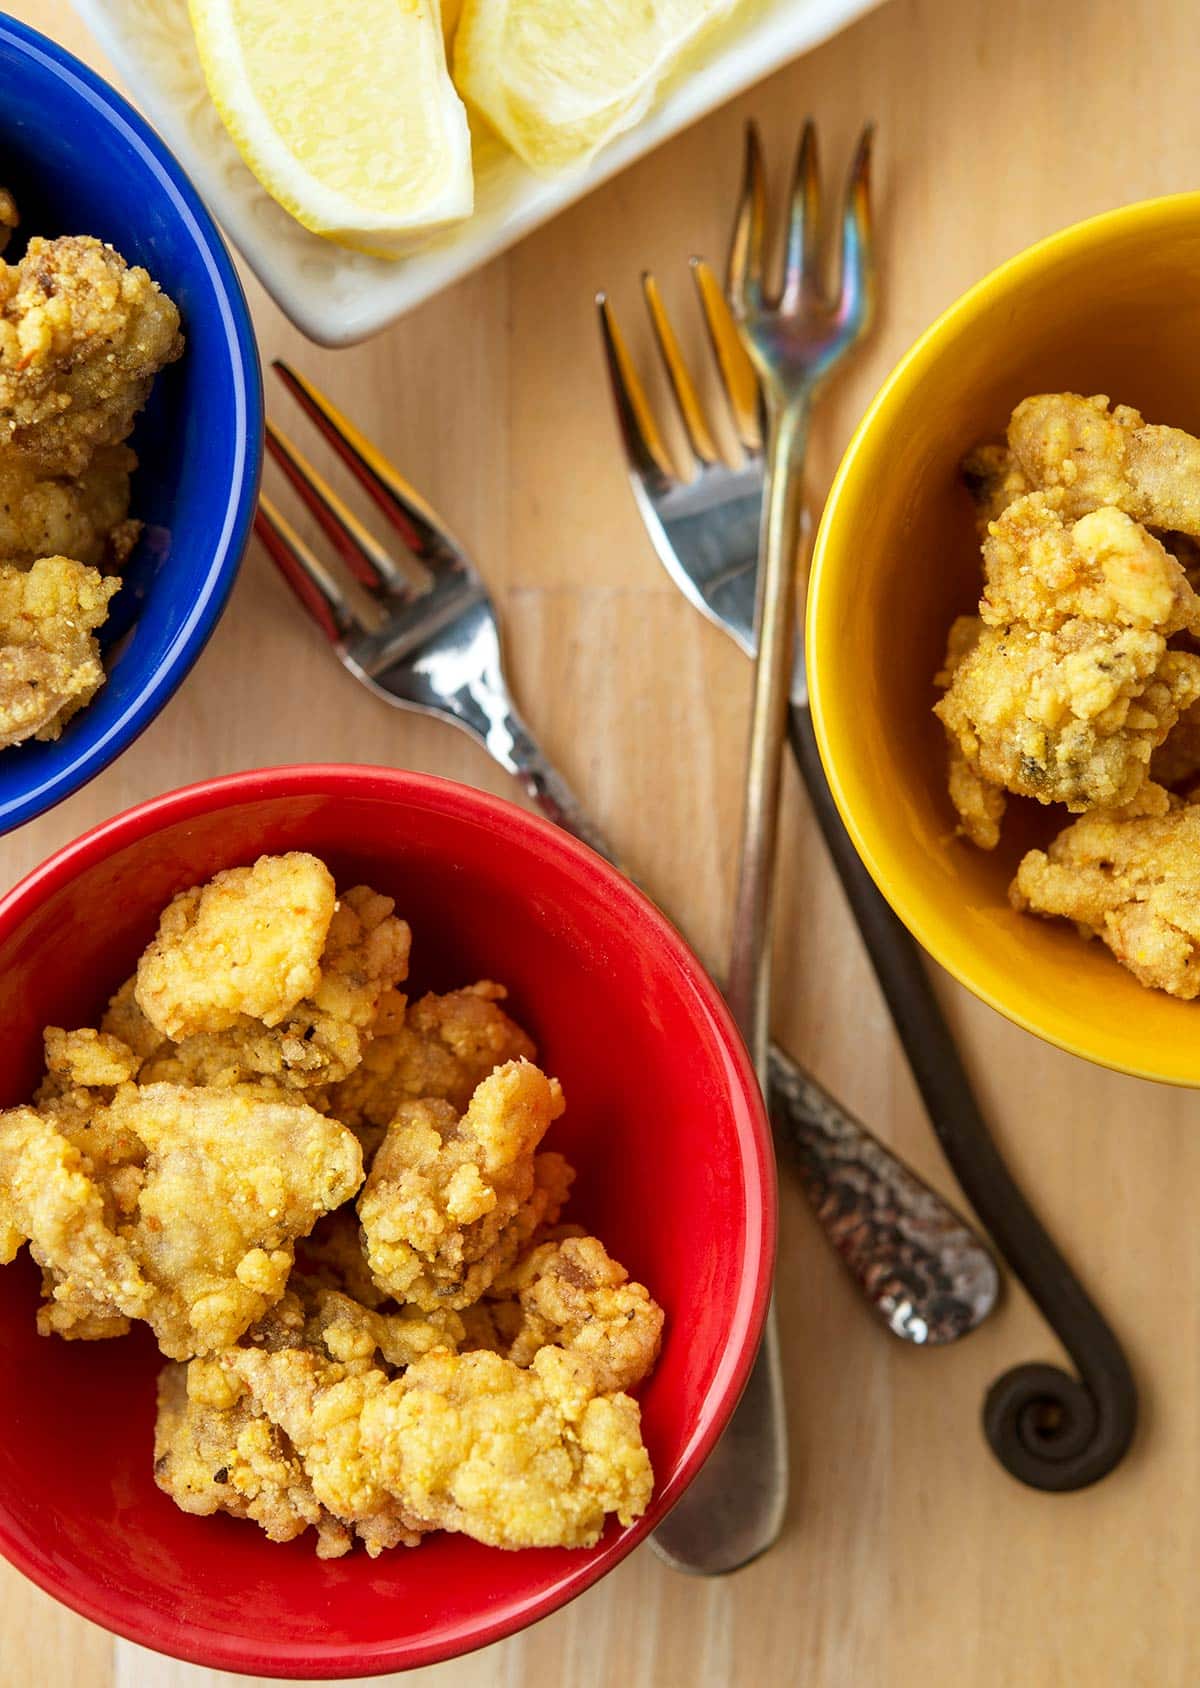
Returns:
(1109, 306)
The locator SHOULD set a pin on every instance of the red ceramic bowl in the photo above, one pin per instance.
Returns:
(664, 1124)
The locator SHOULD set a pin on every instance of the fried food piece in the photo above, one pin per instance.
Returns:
(316, 1402)
(245, 946)
(82, 336)
(1100, 457)
(199, 1242)
(216, 1450)
(49, 659)
(49, 1199)
(572, 1294)
(322, 1039)
(88, 1059)
(1132, 882)
(9, 219)
(357, 1335)
(1071, 716)
(85, 518)
(1042, 570)
(232, 1180)
(443, 1048)
(224, 1456)
(467, 1442)
(450, 1200)
(979, 803)
(312, 1316)
(994, 482)
(124, 1020)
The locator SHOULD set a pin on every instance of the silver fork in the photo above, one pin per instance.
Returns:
(417, 626)
(794, 336)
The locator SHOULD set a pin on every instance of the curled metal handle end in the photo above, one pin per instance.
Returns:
(1050, 1431)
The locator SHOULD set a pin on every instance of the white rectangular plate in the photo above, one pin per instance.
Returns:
(337, 296)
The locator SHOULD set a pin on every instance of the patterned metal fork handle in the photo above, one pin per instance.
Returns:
(919, 1267)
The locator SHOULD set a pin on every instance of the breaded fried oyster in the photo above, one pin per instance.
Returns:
(1134, 883)
(451, 1199)
(82, 336)
(265, 975)
(50, 663)
(85, 517)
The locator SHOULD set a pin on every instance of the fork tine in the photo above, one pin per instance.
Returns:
(686, 397)
(745, 278)
(319, 591)
(800, 263)
(364, 556)
(856, 289)
(402, 504)
(737, 372)
(643, 442)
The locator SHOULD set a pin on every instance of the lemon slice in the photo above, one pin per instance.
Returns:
(346, 114)
(559, 78)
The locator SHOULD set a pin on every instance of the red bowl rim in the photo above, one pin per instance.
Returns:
(173, 1636)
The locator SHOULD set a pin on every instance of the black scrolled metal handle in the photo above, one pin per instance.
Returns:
(1048, 1429)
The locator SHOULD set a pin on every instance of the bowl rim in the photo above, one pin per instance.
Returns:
(506, 822)
(821, 656)
(245, 421)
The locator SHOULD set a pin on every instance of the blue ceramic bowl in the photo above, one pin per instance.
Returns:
(79, 160)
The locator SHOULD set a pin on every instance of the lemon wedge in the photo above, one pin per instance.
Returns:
(346, 114)
(559, 78)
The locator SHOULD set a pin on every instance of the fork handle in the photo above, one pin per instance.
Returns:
(1046, 1428)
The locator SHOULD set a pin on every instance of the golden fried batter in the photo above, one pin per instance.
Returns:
(246, 945)
(450, 1200)
(82, 336)
(225, 1456)
(468, 1442)
(1132, 882)
(49, 1199)
(978, 802)
(321, 1038)
(89, 1059)
(443, 1047)
(123, 1019)
(1068, 717)
(228, 1180)
(1042, 570)
(1101, 457)
(49, 659)
(84, 518)
(572, 1294)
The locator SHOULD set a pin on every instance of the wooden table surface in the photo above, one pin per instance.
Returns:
(909, 1557)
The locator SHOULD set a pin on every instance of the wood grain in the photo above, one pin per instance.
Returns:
(909, 1558)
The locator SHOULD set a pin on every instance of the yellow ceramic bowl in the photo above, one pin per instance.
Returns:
(1109, 306)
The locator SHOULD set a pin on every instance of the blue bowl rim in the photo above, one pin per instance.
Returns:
(246, 423)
